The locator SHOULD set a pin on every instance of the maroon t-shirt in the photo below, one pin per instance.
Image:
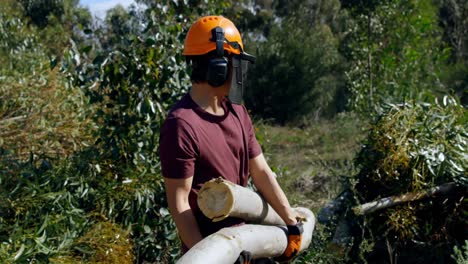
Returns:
(196, 143)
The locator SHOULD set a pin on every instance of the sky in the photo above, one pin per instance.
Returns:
(99, 7)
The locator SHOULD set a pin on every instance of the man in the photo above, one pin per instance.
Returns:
(209, 134)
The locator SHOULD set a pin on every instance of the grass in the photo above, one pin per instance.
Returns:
(312, 161)
(313, 164)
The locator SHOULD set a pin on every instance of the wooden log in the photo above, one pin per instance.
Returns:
(386, 202)
(262, 241)
(219, 199)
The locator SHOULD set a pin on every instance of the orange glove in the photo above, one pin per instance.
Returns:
(294, 242)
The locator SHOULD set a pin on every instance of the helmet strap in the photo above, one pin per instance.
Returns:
(218, 37)
(217, 72)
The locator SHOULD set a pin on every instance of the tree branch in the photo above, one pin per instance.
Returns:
(386, 202)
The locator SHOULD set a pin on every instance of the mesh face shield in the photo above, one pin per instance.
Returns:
(239, 65)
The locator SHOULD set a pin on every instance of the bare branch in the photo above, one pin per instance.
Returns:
(386, 202)
(11, 119)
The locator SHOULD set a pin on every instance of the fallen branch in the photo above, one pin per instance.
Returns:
(386, 202)
(11, 119)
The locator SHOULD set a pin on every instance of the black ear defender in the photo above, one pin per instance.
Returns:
(217, 72)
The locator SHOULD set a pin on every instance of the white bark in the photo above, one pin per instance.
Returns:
(262, 241)
(386, 202)
(219, 199)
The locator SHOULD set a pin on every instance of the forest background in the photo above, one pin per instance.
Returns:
(352, 101)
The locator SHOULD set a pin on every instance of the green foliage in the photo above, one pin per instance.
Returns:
(37, 113)
(34, 105)
(454, 18)
(111, 243)
(43, 215)
(416, 146)
(461, 255)
(132, 86)
(413, 147)
(58, 21)
(311, 161)
(396, 53)
(118, 26)
(297, 75)
(49, 211)
(51, 200)
(455, 76)
(321, 250)
(20, 50)
(312, 164)
(79, 174)
(40, 10)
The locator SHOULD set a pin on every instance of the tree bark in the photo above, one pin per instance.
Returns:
(386, 202)
(220, 199)
(261, 241)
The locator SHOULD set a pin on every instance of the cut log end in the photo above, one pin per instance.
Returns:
(215, 200)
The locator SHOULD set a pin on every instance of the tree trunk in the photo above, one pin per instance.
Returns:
(221, 199)
(262, 241)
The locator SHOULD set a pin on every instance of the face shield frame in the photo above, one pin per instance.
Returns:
(239, 68)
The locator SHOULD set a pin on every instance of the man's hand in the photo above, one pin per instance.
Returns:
(244, 258)
(294, 242)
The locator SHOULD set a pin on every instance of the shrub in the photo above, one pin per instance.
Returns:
(413, 147)
(297, 75)
(396, 52)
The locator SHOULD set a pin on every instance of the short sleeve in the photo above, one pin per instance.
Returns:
(178, 149)
(253, 145)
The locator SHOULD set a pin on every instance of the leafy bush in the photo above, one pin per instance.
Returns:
(20, 49)
(396, 52)
(132, 87)
(461, 255)
(58, 175)
(416, 146)
(298, 75)
(48, 211)
(413, 147)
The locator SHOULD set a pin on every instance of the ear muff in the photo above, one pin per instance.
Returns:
(217, 72)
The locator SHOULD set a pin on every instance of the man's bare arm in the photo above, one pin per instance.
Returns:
(265, 181)
(177, 192)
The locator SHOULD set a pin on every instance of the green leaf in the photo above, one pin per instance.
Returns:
(87, 49)
(42, 238)
(163, 211)
(44, 224)
(19, 253)
(150, 41)
(53, 63)
(84, 250)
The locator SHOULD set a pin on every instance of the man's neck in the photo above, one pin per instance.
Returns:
(208, 98)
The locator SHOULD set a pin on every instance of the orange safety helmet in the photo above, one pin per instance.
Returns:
(199, 37)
